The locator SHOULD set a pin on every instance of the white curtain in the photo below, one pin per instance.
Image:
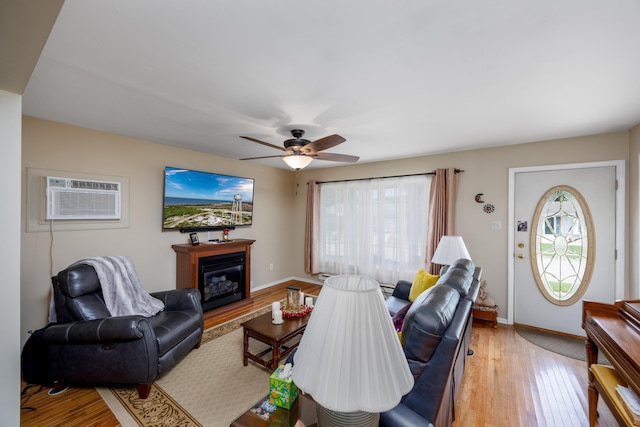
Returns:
(376, 228)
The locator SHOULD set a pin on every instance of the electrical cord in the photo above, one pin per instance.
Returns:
(25, 396)
(51, 249)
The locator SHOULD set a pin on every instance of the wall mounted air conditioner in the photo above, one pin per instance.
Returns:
(70, 198)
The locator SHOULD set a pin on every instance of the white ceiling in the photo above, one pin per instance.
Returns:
(396, 78)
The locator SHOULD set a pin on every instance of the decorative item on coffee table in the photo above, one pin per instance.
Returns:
(293, 298)
(301, 312)
(295, 304)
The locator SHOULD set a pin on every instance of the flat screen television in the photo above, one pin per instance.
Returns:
(201, 201)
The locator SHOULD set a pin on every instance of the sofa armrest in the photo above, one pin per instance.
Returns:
(403, 287)
(402, 416)
(120, 350)
(179, 299)
(109, 329)
(475, 285)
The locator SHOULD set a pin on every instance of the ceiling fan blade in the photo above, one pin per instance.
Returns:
(336, 157)
(263, 143)
(264, 157)
(322, 144)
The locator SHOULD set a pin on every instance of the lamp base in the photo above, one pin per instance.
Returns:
(328, 418)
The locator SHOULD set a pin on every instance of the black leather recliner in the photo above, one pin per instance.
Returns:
(88, 345)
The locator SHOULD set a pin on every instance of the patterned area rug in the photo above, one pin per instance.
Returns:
(210, 387)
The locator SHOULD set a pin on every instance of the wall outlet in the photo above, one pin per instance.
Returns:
(496, 225)
(270, 266)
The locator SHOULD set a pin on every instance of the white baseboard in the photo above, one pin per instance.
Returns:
(270, 284)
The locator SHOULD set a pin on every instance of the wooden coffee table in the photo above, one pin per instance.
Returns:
(277, 337)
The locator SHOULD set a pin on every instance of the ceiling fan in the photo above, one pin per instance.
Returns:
(300, 152)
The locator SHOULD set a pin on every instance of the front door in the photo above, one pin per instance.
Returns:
(564, 244)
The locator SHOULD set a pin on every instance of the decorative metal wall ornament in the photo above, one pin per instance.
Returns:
(488, 208)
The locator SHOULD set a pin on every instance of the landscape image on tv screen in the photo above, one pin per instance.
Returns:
(204, 200)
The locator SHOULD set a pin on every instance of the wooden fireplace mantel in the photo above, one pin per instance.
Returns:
(187, 258)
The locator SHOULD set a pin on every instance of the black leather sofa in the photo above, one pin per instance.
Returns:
(87, 345)
(435, 336)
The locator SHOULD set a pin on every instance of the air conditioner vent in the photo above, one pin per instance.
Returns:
(94, 185)
(69, 198)
(324, 276)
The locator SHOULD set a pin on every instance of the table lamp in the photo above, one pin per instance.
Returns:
(450, 249)
(350, 360)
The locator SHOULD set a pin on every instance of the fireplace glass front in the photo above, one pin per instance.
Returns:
(221, 279)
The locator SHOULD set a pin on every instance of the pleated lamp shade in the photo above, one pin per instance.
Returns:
(350, 358)
(450, 249)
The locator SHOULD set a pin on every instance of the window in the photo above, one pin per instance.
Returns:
(376, 227)
(563, 245)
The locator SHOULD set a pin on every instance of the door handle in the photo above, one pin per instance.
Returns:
(521, 245)
(521, 256)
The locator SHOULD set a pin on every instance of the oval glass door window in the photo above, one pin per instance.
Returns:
(562, 245)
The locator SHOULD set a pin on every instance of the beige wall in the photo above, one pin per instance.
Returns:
(486, 171)
(55, 146)
(279, 204)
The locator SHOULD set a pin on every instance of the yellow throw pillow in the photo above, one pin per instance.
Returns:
(421, 283)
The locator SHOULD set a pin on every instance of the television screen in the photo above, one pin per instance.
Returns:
(195, 200)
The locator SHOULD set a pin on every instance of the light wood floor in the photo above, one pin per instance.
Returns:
(507, 382)
(511, 382)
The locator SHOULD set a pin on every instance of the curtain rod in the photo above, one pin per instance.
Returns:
(383, 177)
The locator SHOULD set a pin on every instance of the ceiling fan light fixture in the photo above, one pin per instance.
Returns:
(300, 152)
(297, 161)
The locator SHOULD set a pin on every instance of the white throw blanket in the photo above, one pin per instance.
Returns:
(121, 288)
